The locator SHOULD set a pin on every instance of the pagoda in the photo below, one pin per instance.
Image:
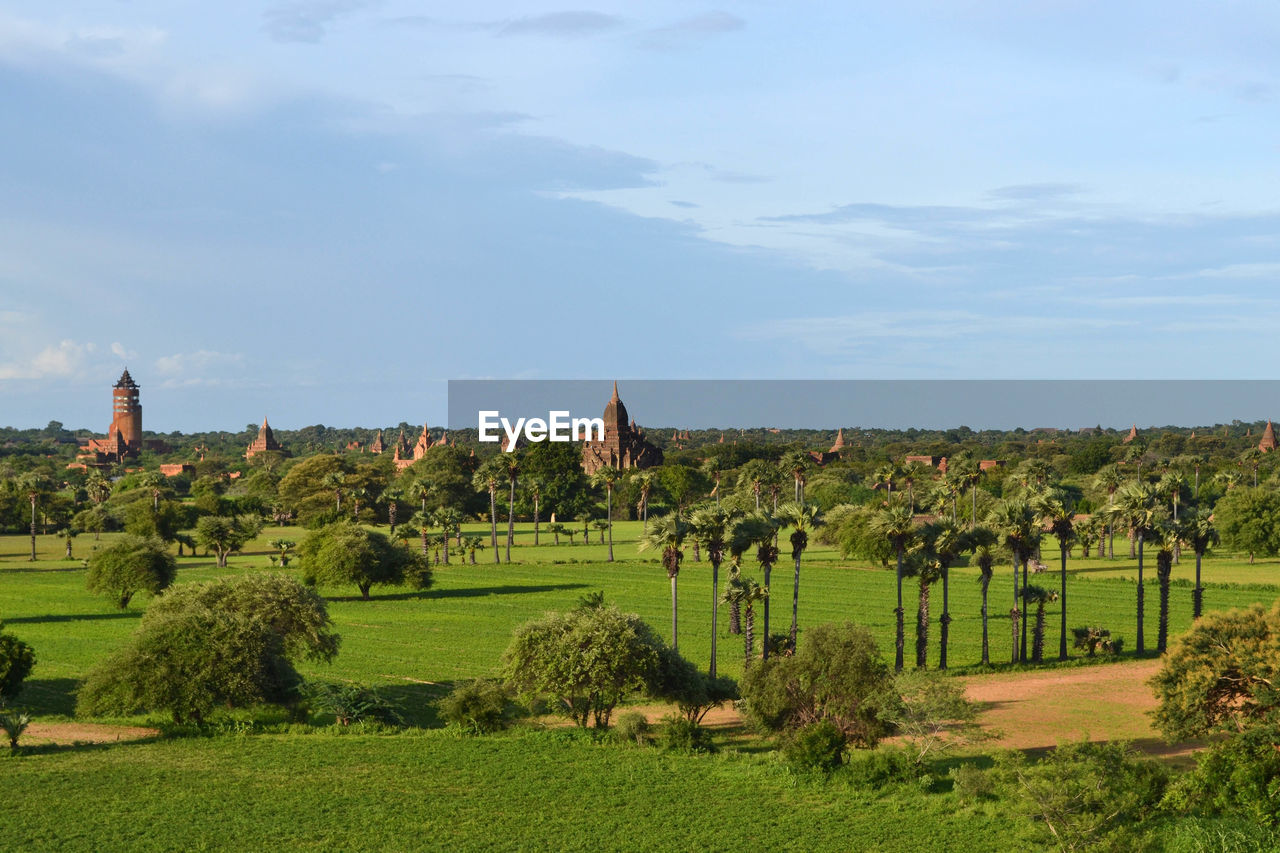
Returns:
(623, 444)
(1268, 442)
(265, 441)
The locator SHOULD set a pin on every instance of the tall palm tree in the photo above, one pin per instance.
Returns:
(644, 483)
(1198, 530)
(449, 520)
(392, 496)
(420, 490)
(912, 473)
(1110, 479)
(424, 524)
(796, 463)
(336, 481)
(968, 474)
(1137, 502)
(607, 476)
(1019, 531)
(511, 467)
(983, 540)
(1059, 516)
(761, 531)
(1171, 486)
(885, 476)
(713, 467)
(1228, 478)
(944, 543)
(152, 481)
(535, 486)
(666, 534)
(1037, 595)
(35, 485)
(742, 594)
(711, 527)
(895, 524)
(802, 517)
(1250, 459)
(487, 478)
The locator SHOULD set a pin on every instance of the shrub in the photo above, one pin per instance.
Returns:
(632, 727)
(121, 570)
(931, 713)
(680, 734)
(1236, 777)
(16, 662)
(972, 784)
(478, 707)
(352, 703)
(1093, 639)
(346, 553)
(882, 767)
(1082, 793)
(837, 675)
(13, 723)
(695, 694)
(817, 746)
(227, 643)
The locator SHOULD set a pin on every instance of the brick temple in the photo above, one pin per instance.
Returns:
(124, 437)
(265, 441)
(623, 445)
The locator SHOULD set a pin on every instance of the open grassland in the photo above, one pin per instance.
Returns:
(313, 788)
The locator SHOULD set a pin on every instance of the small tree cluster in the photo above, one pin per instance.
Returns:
(132, 565)
(346, 553)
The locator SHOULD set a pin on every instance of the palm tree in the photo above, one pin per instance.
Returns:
(1198, 530)
(357, 494)
(1037, 595)
(1166, 536)
(944, 543)
(796, 462)
(34, 485)
(1060, 519)
(535, 485)
(424, 524)
(98, 487)
(884, 476)
(913, 472)
(666, 534)
(1228, 478)
(968, 473)
(1137, 502)
(487, 478)
(336, 481)
(510, 467)
(1019, 531)
(760, 530)
(67, 534)
(895, 524)
(153, 480)
(607, 476)
(1250, 459)
(449, 520)
(420, 490)
(983, 540)
(644, 483)
(555, 529)
(1171, 486)
(392, 496)
(713, 467)
(802, 517)
(471, 543)
(1110, 479)
(711, 526)
(742, 594)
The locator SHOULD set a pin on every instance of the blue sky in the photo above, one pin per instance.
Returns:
(321, 210)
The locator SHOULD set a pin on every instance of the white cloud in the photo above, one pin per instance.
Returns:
(180, 367)
(62, 360)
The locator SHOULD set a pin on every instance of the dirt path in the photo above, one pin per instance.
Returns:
(66, 734)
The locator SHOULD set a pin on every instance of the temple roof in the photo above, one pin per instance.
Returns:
(1268, 441)
(839, 445)
(126, 381)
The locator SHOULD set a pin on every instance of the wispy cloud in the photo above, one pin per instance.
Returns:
(307, 22)
(688, 31)
(59, 361)
(181, 366)
(572, 24)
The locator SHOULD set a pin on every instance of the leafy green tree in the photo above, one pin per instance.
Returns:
(226, 643)
(224, 536)
(1220, 676)
(803, 517)
(837, 675)
(1249, 520)
(666, 535)
(131, 565)
(586, 660)
(308, 489)
(896, 525)
(285, 547)
(931, 714)
(344, 552)
(682, 484)
(17, 659)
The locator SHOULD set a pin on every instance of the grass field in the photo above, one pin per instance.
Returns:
(528, 789)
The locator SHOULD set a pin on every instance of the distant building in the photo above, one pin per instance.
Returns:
(378, 446)
(822, 457)
(265, 441)
(623, 444)
(124, 437)
(1133, 433)
(405, 456)
(1268, 442)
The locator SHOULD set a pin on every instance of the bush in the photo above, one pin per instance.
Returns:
(16, 662)
(632, 727)
(1198, 835)
(680, 734)
(352, 703)
(972, 784)
(1237, 777)
(346, 553)
(693, 693)
(227, 643)
(817, 746)
(882, 767)
(121, 570)
(1093, 639)
(477, 707)
(837, 675)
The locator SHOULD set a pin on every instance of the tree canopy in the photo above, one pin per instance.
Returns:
(345, 553)
(131, 565)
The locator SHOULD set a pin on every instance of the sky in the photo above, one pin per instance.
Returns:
(320, 211)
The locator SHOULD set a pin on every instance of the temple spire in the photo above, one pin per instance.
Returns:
(615, 397)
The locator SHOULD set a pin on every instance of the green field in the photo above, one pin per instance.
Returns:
(528, 789)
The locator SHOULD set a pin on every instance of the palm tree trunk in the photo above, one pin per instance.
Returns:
(768, 570)
(445, 540)
(1162, 627)
(900, 640)
(1197, 594)
(1037, 644)
(1142, 647)
(33, 529)
(1062, 597)
(945, 622)
(749, 636)
(674, 644)
(986, 647)
(715, 604)
(795, 606)
(922, 626)
(511, 518)
(536, 523)
(493, 523)
(608, 509)
(974, 519)
(1023, 606)
(1015, 613)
